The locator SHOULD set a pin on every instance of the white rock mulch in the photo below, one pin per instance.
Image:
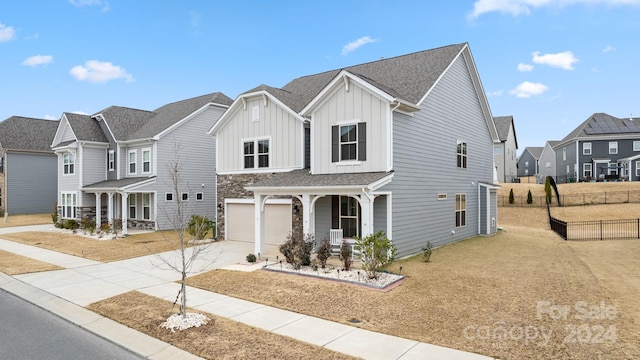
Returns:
(179, 322)
(354, 276)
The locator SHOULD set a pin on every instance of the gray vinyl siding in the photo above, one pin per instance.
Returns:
(493, 194)
(67, 133)
(31, 183)
(196, 156)
(425, 164)
(380, 214)
(94, 165)
(526, 162)
(322, 212)
(70, 182)
(561, 165)
(548, 156)
(600, 150)
(483, 210)
(111, 175)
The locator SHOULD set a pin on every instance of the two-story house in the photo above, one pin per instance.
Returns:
(28, 167)
(528, 161)
(547, 161)
(602, 147)
(118, 163)
(403, 145)
(504, 152)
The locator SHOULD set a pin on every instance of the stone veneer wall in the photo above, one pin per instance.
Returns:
(232, 187)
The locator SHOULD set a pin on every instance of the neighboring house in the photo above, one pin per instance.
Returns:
(547, 161)
(528, 161)
(28, 168)
(603, 147)
(403, 145)
(118, 162)
(504, 152)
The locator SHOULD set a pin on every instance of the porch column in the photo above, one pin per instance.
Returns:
(366, 210)
(125, 202)
(110, 207)
(306, 214)
(259, 224)
(98, 210)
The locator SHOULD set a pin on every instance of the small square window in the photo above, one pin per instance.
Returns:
(199, 196)
(442, 196)
(185, 196)
(168, 197)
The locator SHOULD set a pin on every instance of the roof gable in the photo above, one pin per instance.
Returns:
(535, 151)
(27, 134)
(602, 124)
(503, 125)
(85, 128)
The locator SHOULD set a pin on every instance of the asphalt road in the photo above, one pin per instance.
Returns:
(28, 332)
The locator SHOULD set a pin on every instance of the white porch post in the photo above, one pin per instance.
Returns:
(259, 224)
(366, 208)
(125, 202)
(98, 210)
(110, 207)
(306, 214)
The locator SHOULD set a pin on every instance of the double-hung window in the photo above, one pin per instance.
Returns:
(68, 161)
(133, 161)
(250, 154)
(132, 206)
(111, 160)
(146, 161)
(636, 145)
(349, 142)
(613, 147)
(68, 205)
(461, 210)
(146, 206)
(586, 148)
(637, 168)
(587, 170)
(462, 154)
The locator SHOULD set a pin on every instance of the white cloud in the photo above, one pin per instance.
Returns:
(36, 60)
(525, 67)
(608, 49)
(98, 72)
(79, 112)
(6, 32)
(524, 7)
(528, 89)
(81, 3)
(564, 60)
(495, 93)
(356, 44)
(50, 117)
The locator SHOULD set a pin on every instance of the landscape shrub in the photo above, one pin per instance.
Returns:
(346, 255)
(199, 226)
(70, 224)
(54, 215)
(529, 197)
(88, 225)
(323, 252)
(511, 199)
(376, 253)
(547, 189)
(251, 258)
(296, 251)
(426, 251)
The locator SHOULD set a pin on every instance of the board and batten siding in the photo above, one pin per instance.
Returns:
(31, 183)
(196, 157)
(425, 147)
(285, 131)
(343, 107)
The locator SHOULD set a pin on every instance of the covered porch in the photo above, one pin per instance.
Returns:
(122, 199)
(333, 206)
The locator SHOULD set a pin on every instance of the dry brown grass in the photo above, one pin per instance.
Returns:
(14, 264)
(99, 250)
(219, 339)
(21, 220)
(485, 281)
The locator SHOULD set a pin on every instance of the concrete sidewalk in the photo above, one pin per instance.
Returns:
(82, 282)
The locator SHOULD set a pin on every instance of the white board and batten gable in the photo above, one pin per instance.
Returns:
(258, 117)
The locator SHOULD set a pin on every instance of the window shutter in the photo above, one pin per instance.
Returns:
(335, 143)
(362, 141)
(335, 212)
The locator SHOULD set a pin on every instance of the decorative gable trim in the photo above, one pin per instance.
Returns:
(64, 124)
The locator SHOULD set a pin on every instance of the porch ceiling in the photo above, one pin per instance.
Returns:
(302, 181)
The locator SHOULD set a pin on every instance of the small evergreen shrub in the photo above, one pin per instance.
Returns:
(346, 255)
(70, 224)
(54, 215)
(511, 199)
(116, 226)
(251, 258)
(88, 225)
(376, 253)
(529, 197)
(105, 228)
(426, 251)
(199, 226)
(547, 189)
(323, 252)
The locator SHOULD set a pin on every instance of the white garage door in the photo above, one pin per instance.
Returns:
(241, 227)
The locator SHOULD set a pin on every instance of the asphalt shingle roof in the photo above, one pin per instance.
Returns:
(85, 128)
(408, 77)
(123, 122)
(600, 124)
(302, 178)
(536, 151)
(28, 134)
(116, 184)
(503, 123)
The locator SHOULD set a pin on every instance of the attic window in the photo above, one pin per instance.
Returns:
(255, 114)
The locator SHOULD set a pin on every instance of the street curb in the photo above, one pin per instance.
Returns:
(114, 332)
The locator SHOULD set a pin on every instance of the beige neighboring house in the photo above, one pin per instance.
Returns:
(504, 152)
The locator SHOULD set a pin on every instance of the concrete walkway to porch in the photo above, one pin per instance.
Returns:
(82, 282)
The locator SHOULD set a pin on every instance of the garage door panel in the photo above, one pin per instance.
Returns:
(240, 224)
(277, 223)
(241, 227)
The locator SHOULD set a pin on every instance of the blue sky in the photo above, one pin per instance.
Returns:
(549, 63)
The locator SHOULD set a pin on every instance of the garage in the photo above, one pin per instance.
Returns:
(241, 227)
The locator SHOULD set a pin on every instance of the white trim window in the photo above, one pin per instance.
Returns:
(132, 206)
(638, 168)
(253, 159)
(586, 148)
(146, 206)
(564, 155)
(132, 157)
(185, 196)
(587, 170)
(613, 147)
(613, 168)
(168, 197)
(68, 163)
(349, 142)
(461, 154)
(68, 205)
(461, 210)
(111, 160)
(199, 196)
(146, 161)
(636, 145)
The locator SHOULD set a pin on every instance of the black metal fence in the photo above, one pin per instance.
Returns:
(599, 198)
(596, 229)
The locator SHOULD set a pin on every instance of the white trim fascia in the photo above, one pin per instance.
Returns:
(58, 149)
(380, 183)
(64, 123)
(337, 81)
(315, 190)
(78, 166)
(302, 137)
(94, 144)
(631, 158)
(435, 83)
(136, 142)
(312, 146)
(183, 120)
(252, 201)
(154, 159)
(127, 188)
(389, 133)
(255, 171)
